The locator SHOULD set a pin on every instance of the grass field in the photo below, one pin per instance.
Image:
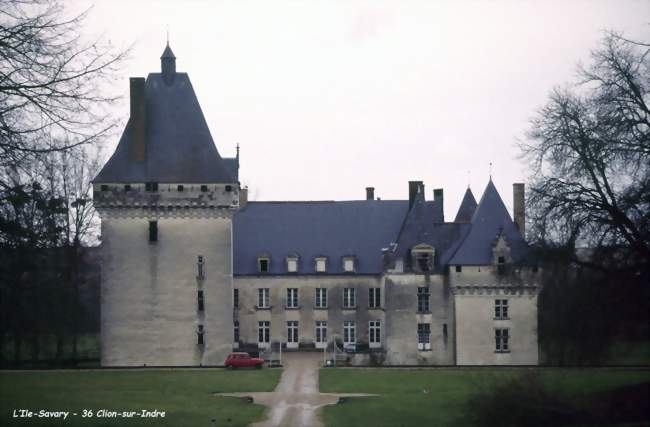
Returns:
(185, 395)
(438, 397)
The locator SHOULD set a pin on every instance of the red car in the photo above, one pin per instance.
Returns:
(243, 360)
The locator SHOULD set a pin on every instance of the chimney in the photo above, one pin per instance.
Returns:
(414, 188)
(137, 119)
(243, 197)
(439, 202)
(519, 207)
(370, 193)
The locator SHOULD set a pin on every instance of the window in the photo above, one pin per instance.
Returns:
(445, 334)
(263, 264)
(501, 309)
(153, 231)
(423, 300)
(127, 187)
(349, 298)
(200, 300)
(292, 332)
(321, 265)
(151, 186)
(321, 332)
(374, 297)
(321, 298)
(422, 258)
(236, 331)
(374, 333)
(459, 268)
(424, 336)
(180, 187)
(348, 264)
(535, 269)
(235, 298)
(501, 336)
(349, 334)
(292, 264)
(200, 273)
(199, 334)
(228, 188)
(501, 266)
(103, 187)
(204, 188)
(292, 298)
(263, 298)
(264, 332)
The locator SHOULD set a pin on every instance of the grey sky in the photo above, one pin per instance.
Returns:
(328, 97)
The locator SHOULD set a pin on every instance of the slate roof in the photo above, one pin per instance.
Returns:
(422, 225)
(490, 218)
(311, 229)
(232, 165)
(467, 207)
(179, 146)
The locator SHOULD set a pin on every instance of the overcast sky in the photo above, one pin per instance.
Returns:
(328, 97)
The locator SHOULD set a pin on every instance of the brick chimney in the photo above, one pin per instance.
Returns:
(439, 203)
(414, 188)
(370, 193)
(519, 207)
(137, 119)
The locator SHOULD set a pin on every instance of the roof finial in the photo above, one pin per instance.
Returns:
(238, 151)
(168, 35)
(490, 171)
(469, 177)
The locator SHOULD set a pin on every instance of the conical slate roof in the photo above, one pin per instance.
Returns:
(467, 207)
(490, 218)
(167, 53)
(178, 144)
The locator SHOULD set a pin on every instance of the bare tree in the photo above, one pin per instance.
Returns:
(52, 82)
(589, 149)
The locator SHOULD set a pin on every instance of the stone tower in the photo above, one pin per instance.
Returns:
(166, 200)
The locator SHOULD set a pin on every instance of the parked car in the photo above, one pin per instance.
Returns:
(243, 360)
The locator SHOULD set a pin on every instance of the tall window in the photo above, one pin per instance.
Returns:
(321, 264)
(422, 257)
(235, 298)
(292, 298)
(501, 265)
(263, 298)
(153, 231)
(348, 264)
(264, 332)
(199, 334)
(200, 267)
(424, 336)
(263, 264)
(374, 333)
(374, 297)
(501, 309)
(349, 298)
(349, 333)
(423, 300)
(321, 332)
(292, 331)
(321, 298)
(200, 300)
(236, 331)
(501, 337)
(292, 264)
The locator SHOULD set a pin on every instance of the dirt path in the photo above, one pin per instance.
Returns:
(296, 400)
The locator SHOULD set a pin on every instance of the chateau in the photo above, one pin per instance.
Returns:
(192, 270)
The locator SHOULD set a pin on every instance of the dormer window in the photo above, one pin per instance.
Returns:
(127, 187)
(321, 264)
(263, 264)
(292, 264)
(204, 188)
(422, 257)
(151, 186)
(348, 264)
(180, 187)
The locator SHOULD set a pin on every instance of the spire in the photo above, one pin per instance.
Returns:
(168, 64)
(467, 207)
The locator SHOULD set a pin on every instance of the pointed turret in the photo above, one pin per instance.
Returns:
(168, 64)
(467, 207)
(490, 219)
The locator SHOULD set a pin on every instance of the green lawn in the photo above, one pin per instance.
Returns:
(438, 397)
(185, 395)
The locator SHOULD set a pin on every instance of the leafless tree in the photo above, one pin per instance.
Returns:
(52, 82)
(589, 150)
